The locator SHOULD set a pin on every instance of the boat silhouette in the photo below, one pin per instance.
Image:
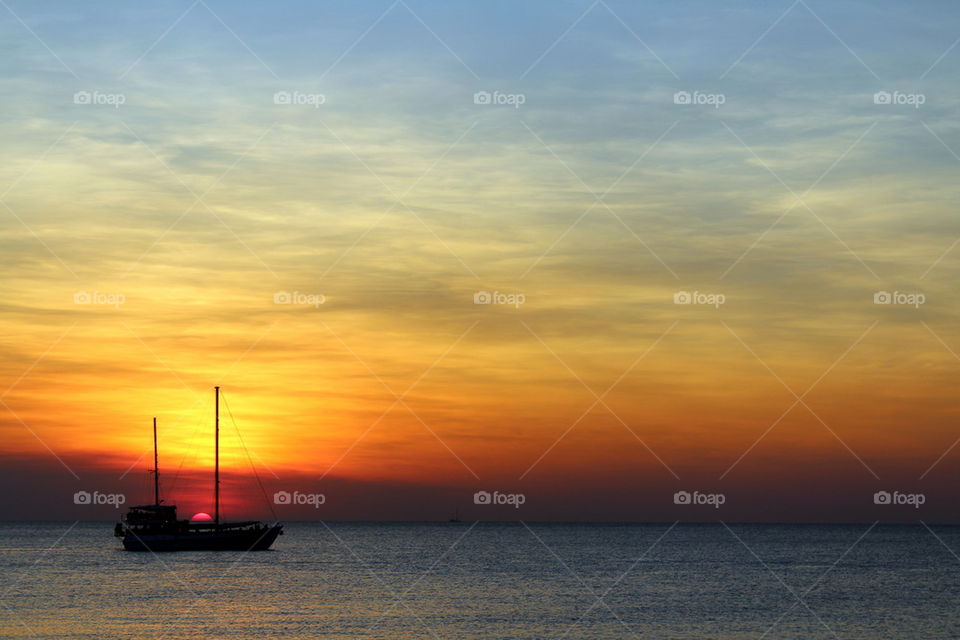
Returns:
(155, 527)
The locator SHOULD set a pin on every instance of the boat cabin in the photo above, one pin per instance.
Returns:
(151, 515)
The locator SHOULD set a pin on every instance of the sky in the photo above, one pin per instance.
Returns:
(589, 253)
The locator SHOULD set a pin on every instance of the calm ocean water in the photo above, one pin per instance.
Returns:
(491, 581)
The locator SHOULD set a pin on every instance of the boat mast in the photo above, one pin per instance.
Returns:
(216, 455)
(156, 467)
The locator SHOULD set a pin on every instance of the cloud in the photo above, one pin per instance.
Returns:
(399, 198)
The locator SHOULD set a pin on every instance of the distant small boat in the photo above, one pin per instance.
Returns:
(456, 516)
(154, 527)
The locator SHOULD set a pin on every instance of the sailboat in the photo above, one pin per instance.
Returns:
(154, 527)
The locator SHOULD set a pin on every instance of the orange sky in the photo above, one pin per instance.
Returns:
(489, 412)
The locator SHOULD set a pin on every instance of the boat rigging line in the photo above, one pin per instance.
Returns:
(249, 458)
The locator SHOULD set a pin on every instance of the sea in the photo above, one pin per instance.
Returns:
(511, 580)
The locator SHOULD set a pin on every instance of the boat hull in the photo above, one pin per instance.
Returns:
(213, 540)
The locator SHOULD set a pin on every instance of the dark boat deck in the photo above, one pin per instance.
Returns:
(238, 536)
